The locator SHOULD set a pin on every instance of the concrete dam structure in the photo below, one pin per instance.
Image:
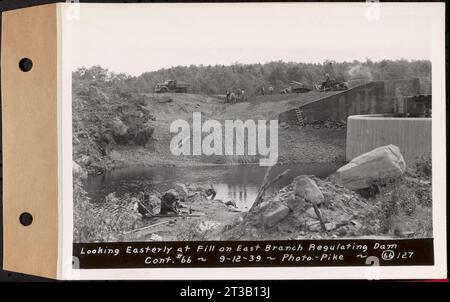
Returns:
(367, 132)
(376, 97)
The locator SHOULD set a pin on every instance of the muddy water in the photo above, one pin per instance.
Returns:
(238, 183)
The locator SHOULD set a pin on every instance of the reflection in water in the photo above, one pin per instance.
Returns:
(237, 183)
(242, 194)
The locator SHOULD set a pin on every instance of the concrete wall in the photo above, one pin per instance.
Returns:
(289, 117)
(411, 135)
(363, 99)
(369, 98)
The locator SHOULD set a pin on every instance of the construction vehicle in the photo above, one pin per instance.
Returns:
(172, 86)
(296, 87)
(332, 85)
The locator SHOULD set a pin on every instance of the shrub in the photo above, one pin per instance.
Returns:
(103, 222)
(192, 233)
(423, 167)
(389, 194)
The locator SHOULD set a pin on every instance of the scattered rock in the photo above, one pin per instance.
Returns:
(295, 203)
(208, 225)
(274, 214)
(318, 228)
(263, 204)
(231, 203)
(196, 197)
(326, 124)
(149, 205)
(314, 226)
(341, 232)
(381, 163)
(307, 188)
(118, 127)
(78, 171)
(153, 237)
(182, 190)
(284, 125)
(330, 226)
(311, 213)
(165, 99)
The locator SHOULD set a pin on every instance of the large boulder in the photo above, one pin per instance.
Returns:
(307, 189)
(381, 163)
(274, 214)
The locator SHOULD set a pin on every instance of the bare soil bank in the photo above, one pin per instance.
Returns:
(295, 145)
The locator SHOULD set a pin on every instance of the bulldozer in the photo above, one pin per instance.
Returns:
(296, 87)
(331, 84)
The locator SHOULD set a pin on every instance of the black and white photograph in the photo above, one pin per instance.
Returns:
(168, 123)
(246, 143)
(247, 123)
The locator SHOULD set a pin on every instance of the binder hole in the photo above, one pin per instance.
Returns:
(26, 219)
(25, 64)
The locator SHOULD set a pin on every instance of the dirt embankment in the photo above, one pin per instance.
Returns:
(295, 144)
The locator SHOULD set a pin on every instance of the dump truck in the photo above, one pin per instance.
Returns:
(172, 86)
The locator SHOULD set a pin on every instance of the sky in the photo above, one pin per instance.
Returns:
(136, 38)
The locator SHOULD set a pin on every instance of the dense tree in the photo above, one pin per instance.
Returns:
(251, 77)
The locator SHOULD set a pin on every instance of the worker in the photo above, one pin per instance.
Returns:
(211, 193)
(262, 91)
(270, 90)
(228, 96)
(238, 93)
(243, 95)
(169, 203)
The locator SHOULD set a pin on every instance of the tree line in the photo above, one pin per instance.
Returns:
(217, 79)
